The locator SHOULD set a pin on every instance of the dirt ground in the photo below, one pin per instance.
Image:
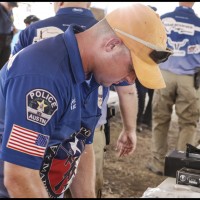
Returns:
(128, 177)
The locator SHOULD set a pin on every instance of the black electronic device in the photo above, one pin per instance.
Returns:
(175, 160)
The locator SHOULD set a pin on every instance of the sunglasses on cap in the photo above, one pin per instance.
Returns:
(158, 55)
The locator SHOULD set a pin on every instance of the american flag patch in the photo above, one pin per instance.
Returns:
(27, 141)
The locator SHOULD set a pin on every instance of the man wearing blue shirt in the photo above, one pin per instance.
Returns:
(79, 13)
(183, 32)
(49, 95)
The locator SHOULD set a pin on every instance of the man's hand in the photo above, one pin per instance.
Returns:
(126, 143)
(128, 102)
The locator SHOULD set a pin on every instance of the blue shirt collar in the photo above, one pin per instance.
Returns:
(73, 51)
(75, 10)
(185, 9)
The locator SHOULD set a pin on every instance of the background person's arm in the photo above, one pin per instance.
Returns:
(128, 103)
(83, 184)
(22, 182)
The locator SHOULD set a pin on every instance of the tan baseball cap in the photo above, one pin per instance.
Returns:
(142, 31)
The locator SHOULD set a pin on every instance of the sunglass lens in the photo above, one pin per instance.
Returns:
(159, 56)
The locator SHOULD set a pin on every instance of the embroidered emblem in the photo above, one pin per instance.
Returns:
(193, 49)
(46, 32)
(73, 104)
(60, 163)
(179, 27)
(177, 45)
(78, 10)
(40, 106)
(27, 141)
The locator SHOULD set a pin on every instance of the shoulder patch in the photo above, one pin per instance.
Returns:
(46, 32)
(40, 106)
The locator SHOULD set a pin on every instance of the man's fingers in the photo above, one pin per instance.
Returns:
(123, 151)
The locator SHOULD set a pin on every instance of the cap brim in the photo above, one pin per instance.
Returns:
(148, 74)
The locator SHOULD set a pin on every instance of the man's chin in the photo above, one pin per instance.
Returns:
(106, 84)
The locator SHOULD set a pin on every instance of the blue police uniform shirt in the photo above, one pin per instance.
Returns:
(183, 32)
(54, 25)
(44, 102)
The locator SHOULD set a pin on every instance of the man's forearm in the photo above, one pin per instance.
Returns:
(23, 182)
(128, 103)
(83, 184)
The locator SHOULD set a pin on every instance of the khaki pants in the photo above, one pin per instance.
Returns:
(180, 92)
(99, 144)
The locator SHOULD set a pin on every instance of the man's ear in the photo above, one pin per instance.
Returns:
(112, 43)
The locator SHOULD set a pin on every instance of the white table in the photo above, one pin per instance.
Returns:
(169, 189)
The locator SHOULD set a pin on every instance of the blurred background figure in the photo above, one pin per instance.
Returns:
(7, 30)
(28, 20)
(181, 73)
(144, 116)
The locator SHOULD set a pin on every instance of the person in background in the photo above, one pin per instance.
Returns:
(7, 30)
(144, 116)
(181, 74)
(127, 93)
(30, 19)
(66, 13)
(27, 21)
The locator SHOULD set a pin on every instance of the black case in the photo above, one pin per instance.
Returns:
(175, 160)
